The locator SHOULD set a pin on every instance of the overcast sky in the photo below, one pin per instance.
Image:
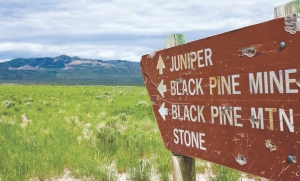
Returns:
(117, 29)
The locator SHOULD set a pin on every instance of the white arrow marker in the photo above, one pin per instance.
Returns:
(162, 88)
(160, 65)
(163, 111)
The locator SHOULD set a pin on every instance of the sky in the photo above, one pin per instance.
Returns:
(117, 29)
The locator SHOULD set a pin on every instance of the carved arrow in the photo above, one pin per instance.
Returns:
(163, 111)
(160, 65)
(162, 88)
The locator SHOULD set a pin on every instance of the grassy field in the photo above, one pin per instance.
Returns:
(96, 132)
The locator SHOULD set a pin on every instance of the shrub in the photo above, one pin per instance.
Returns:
(123, 116)
(8, 103)
(141, 172)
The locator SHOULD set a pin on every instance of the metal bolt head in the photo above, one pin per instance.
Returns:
(282, 44)
(291, 159)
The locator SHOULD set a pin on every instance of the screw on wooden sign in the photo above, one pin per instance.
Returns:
(231, 99)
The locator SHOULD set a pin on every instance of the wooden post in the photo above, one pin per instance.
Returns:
(174, 40)
(287, 9)
(183, 166)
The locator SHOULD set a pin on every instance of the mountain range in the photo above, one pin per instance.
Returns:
(70, 70)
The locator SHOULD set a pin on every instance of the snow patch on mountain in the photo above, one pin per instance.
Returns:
(25, 67)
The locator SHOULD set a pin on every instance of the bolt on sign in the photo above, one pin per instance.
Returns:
(232, 99)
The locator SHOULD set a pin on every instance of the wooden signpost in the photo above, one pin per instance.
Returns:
(183, 166)
(286, 9)
(232, 99)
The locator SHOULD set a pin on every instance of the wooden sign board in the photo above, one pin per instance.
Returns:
(232, 99)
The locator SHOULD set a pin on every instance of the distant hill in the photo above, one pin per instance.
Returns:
(70, 70)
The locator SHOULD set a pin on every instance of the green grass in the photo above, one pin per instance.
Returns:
(96, 132)
(46, 129)
(220, 173)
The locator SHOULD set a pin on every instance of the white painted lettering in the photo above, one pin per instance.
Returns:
(173, 88)
(195, 139)
(266, 84)
(225, 84)
(273, 78)
(200, 58)
(256, 84)
(189, 138)
(175, 131)
(212, 84)
(194, 119)
(181, 132)
(178, 93)
(208, 54)
(193, 58)
(221, 115)
(288, 81)
(234, 84)
(175, 64)
(261, 84)
(190, 89)
(259, 116)
(221, 83)
(228, 116)
(214, 112)
(289, 123)
(237, 116)
(187, 135)
(199, 87)
(183, 61)
(174, 111)
(184, 88)
(186, 60)
(200, 114)
(271, 110)
(186, 113)
(202, 141)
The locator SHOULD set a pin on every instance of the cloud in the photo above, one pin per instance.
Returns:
(117, 29)
(103, 52)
